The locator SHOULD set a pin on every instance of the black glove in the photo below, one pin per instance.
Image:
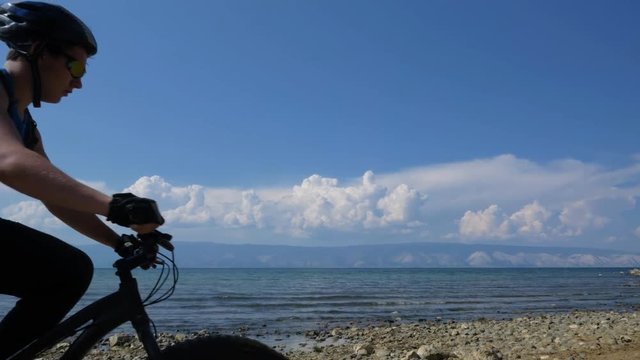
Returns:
(127, 209)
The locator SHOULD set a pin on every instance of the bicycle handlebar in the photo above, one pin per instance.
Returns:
(147, 256)
(156, 237)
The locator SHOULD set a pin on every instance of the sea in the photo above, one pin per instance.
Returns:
(293, 301)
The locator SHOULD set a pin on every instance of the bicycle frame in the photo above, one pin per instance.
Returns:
(97, 319)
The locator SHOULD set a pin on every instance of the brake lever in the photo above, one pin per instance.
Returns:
(159, 238)
(164, 240)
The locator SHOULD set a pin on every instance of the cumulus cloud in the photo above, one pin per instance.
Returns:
(503, 197)
(493, 223)
(530, 220)
(316, 203)
(484, 223)
(579, 216)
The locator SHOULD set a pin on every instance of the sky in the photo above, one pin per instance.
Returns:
(359, 122)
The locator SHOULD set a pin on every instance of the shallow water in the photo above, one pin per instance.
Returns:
(286, 302)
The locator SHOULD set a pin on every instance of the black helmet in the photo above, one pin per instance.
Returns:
(24, 23)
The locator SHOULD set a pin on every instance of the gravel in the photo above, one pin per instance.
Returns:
(571, 336)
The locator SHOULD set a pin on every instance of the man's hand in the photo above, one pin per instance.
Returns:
(141, 214)
(130, 245)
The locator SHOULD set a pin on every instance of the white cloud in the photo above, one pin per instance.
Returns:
(248, 212)
(530, 220)
(317, 203)
(502, 197)
(401, 205)
(493, 223)
(533, 221)
(512, 182)
(484, 223)
(579, 216)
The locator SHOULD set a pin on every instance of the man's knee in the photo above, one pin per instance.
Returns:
(76, 272)
(84, 270)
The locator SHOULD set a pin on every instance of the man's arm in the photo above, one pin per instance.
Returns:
(83, 222)
(86, 224)
(32, 174)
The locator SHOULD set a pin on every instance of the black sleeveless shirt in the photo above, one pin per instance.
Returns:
(25, 124)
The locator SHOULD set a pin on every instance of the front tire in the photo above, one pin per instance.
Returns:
(223, 347)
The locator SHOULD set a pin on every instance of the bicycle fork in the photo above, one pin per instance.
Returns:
(142, 324)
(140, 320)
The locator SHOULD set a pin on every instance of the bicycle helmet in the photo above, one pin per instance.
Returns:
(24, 23)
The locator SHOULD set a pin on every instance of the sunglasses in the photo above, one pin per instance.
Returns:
(76, 67)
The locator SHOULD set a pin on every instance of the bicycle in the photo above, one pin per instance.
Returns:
(99, 318)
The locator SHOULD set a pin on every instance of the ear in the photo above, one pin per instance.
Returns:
(37, 49)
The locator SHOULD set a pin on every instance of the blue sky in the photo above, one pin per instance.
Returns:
(333, 122)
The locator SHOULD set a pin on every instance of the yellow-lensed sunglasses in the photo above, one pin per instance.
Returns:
(76, 67)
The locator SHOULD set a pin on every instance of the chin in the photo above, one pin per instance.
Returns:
(52, 101)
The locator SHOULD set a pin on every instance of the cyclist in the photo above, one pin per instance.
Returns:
(49, 47)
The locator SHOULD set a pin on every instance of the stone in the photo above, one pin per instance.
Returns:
(412, 355)
(382, 352)
(119, 339)
(363, 349)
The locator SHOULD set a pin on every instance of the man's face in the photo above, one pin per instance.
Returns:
(60, 74)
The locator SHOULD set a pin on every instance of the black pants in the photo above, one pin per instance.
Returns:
(47, 275)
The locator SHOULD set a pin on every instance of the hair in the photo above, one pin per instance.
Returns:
(54, 49)
(13, 54)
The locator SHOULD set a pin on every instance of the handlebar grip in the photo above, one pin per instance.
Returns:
(159, 238)
(166, 244)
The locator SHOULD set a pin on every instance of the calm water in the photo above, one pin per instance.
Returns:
(293, 300)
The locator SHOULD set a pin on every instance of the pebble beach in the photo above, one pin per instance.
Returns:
(565, 336)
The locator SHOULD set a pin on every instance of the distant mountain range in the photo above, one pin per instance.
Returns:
(212, 255)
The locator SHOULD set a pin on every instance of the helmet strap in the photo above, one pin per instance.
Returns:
(35, 72)
(33, 56)
(36, 83)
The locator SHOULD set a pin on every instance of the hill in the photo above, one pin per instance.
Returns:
(213, 255)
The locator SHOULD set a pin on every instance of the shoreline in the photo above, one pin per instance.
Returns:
(574, 335)
(600, 335)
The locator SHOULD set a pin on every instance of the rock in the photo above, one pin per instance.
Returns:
(120, 339)
(634, 272)
(382, 352)
(425, 350)
(439, 356)
(625, 339)
(63, 346)
(412, 355)
(363, 349)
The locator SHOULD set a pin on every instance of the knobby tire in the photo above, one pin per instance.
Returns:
(223, 347)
